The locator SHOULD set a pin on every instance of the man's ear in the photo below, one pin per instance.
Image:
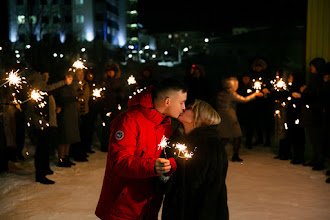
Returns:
(167, 102)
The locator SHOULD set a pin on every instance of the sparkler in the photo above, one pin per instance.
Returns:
(13, 79)
(279, 84)
(163, 144)
(183, 151)
(257, 84)
(78, 64)
(37, 96)
(97, 93)
(131, 80)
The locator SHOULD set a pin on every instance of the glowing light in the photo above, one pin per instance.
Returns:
(13, 79)
(83, 49)
(108, 114)
(249, 91)
(307, 106)
(206, 40)
(97, 93)
(257, 85)
(286, 126)
(163, 143)
(131, 80)
(119, 107)
(296, 121)
(78, 64)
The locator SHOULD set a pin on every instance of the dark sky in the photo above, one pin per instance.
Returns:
(208, 15)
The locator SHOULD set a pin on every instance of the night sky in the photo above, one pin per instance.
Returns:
(208, 15)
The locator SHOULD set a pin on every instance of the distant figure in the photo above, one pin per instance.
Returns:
(145, 78)
(229, 127)
(197, 85)
(113, 97)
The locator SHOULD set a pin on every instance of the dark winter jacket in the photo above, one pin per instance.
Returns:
(197, 189)
(127, 191)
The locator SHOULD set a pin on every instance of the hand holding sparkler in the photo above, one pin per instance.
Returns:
(162, 166)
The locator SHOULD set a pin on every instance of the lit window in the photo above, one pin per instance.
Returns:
(80, 19)
(79, 2)
(20, 19)
(33, 19)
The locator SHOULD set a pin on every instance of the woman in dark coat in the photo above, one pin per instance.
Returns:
(197, 190)
(68, 123)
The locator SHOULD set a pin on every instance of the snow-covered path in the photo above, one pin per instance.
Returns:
(260, 188)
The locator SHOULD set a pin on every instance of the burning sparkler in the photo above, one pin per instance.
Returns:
(183, 151)
(78, 64)
(13, 79)
(257, 85)
(131, 80)
(163, 144)
(279, 84)
(37, 96)
(97, 93)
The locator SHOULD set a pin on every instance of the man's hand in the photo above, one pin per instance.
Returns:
(162, 166)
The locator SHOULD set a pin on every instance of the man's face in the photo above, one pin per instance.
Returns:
(175, 103)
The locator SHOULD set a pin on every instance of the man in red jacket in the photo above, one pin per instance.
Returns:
(134, 150)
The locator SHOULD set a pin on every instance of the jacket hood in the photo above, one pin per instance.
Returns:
(143, 98)
(143, 102)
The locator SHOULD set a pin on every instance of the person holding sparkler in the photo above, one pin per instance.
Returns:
(134, 151)
(68, 122)
(79, 150)
(42, 119)
(197, 189)
(114, 94)
(226, 107)
(311, 99)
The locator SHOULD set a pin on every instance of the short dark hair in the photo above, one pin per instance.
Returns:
(169, 84)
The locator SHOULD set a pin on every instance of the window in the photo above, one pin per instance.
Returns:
(33, 19)
(79, 2)
(80, 19)
(20, 19)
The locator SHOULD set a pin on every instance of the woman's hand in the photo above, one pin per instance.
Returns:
(296, 95)
(259, 94)
(302, 88)
(58, 110)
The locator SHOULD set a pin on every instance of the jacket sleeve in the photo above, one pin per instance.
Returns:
(54, 86)
(122, 147)
(241, 99)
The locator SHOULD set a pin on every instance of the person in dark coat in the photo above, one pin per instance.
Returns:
(43, 120)
(197, 189)
(244, 110)
(197, 85)
(68, 123)
(263, 120)
(312, 112)
(113, 100)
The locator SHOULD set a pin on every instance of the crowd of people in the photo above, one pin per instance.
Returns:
(65, 127)
(141, 165)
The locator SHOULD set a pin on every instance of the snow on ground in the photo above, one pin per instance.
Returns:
(259, 188)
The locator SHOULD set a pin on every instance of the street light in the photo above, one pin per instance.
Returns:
(165, 52)
(206, 40)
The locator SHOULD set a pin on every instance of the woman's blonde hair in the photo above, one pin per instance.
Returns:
(204, 114)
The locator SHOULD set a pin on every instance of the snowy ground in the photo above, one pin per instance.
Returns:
(260, 188)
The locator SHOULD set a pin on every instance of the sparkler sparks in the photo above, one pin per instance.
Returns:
(97, 93)
(183, 151)
(257, 85)
(13, 79)
(78, 64)
(131, 80)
